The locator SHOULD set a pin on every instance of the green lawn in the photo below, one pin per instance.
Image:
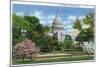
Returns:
(55, 59)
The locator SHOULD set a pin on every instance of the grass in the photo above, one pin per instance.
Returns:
(54, 59)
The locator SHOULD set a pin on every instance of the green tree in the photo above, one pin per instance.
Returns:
(18, 23)
(33, 20)
(77, 24)
(46, 29)
(67, 42)
(89, 19)
(35, 25)
(86, 34)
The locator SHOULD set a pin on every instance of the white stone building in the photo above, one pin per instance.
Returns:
(58, 29)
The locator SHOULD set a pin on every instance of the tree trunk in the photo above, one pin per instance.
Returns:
(23, 58)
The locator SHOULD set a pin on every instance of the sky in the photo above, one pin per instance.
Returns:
(46, 14)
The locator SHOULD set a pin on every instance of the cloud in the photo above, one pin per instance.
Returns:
(81, 17)
(20, 14)
(68, 26)
(38, 14)
(42, 18)
(51, 17)
(48, 20)
(42, 22)
(69, 20)
(71, 17)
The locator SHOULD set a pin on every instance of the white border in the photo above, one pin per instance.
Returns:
(85, 2)
(53, 4)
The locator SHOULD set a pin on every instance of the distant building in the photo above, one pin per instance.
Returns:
(58, 30)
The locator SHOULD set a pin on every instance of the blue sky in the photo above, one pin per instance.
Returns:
(46, 14)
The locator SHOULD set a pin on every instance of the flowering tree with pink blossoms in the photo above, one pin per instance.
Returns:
(26, 49)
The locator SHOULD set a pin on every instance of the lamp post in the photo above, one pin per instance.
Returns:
(23, 32)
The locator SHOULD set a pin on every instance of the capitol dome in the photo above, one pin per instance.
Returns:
(57, 22)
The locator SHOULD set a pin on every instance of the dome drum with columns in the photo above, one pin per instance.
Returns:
(58, 28)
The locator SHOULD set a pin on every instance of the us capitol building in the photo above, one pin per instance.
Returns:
(58, 30)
